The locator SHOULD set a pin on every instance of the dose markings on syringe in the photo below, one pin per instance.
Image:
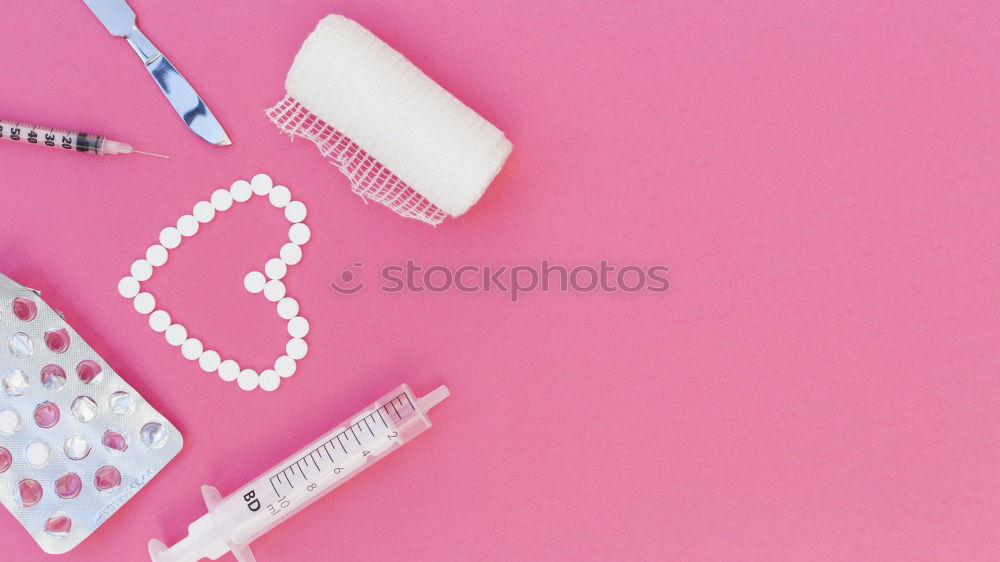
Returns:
(350, 441)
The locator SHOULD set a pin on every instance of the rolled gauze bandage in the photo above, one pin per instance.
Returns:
(402, 139)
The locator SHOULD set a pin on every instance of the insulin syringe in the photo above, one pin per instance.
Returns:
(233, 522)
(66, 140)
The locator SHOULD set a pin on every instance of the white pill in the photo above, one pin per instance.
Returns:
(275, 268)
(280, 196)
(261, 184)
(274, 290)
(76, 447)
(248, 379)
(222, 199)
(176, 334)
(298, 327)
(10, 421)
(38, 454)
(203, 211)
(288, 308)
(156, 255)
(295, 211)
(159, 320)
(142, 270)
(170, 238)
(296, 348)
(241, 191)
(128, 287)
(187, 225)
(269, 381)
(229, 370)
(254, 282)
(192, 349)
(299, 233)
(210, 361)
(144, 303)
(284, 366)
(291, 253)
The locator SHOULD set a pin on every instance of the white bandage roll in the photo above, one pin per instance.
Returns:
(380, 101)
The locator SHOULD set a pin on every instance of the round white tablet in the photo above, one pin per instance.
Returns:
(222, 199)
(241, 191)
(144, 303)
(279, 196)
(10, 421)
(299, 233)
(229, 370)
(128, 287)
(274, 290)
(269, 381)
(38, 454)
(254, 282)
(288, 308)
(192, 349)
(248, 379)
(142, 270)
(284, 366)
(296, 348)
(298, 327)
(204, 211)
(156, 255)
(176, 334)
(187, 225)
(275, 268)
(261, 184)
(295, 211)
(170, 238)
(159, 320)
(210, 361)
(291, 253)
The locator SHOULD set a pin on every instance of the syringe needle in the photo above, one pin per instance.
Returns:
(151, 154)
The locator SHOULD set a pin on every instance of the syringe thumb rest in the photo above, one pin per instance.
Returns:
(204, 540)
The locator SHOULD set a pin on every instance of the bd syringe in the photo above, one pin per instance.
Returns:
(235, 521)
(63, 139)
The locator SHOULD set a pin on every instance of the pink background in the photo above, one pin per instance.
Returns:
(820, 383)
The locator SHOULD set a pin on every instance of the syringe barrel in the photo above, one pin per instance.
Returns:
(54, 138)
(321, 466)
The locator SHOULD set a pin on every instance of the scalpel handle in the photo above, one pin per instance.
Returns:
(145, 48)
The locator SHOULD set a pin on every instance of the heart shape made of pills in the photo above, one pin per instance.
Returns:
(267, 282)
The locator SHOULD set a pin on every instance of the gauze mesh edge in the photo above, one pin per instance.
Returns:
(368, 177)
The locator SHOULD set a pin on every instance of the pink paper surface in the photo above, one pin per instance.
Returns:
(819, 383)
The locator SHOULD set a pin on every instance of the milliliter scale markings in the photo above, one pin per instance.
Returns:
(396, 410)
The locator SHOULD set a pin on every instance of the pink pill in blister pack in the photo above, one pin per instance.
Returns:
(76, 441)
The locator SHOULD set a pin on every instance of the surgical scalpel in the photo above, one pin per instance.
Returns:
(119, 19)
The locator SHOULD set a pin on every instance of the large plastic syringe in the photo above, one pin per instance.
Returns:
(233, 522)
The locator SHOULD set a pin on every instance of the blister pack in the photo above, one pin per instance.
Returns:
(76, 441)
